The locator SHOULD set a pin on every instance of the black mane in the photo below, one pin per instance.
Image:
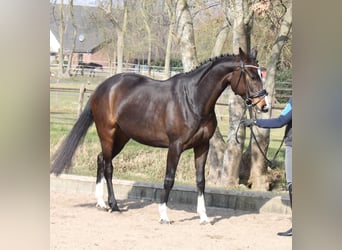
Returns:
(210, 60)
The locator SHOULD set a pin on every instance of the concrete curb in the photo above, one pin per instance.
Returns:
(257, 202)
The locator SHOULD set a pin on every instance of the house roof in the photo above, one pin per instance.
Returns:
(93, 30)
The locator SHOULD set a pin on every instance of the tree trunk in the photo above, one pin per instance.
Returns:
(172, 16)
(251, 169)
(185, 33)
(236, 106)
(247, 164)
(120, 31)
(119, 51)
(217, 145)
(233, 152)
(61, 42)
(220, 40)
(215, 158)
(74, 37)
(239, 29)
(149, 35)
(258, 170)
(229, 154)
(120, 42)
(282, 38)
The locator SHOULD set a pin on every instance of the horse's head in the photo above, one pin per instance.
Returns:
(246, 81)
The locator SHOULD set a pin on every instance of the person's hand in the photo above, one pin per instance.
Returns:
(248, 122)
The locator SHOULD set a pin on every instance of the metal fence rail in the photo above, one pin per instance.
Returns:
(157, 72)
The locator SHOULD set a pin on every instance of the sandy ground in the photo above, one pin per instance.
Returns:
(75, 223)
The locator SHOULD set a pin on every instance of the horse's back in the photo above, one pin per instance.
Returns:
(128, 90)
(131, 85)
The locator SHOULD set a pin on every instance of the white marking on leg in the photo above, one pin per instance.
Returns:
(201, 209)
(99, 195)
(163, 213)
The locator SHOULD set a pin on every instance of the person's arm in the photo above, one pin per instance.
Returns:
(279, 122)
(284, 118)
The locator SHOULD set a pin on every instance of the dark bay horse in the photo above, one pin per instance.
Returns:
(177, 114)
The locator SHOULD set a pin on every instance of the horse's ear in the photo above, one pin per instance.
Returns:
(242, 54)
(254, 52)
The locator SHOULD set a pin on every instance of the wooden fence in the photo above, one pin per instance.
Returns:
(156, 72)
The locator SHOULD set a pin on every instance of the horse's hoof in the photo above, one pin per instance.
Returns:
(164, 222)
(102, 206)
(114, 209)
(204, 219)
(204, 222)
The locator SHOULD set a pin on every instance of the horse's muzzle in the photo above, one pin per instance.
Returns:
(262, 104)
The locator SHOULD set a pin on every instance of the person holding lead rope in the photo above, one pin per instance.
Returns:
(284, 119)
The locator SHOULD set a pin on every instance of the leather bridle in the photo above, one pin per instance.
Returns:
(249, 97)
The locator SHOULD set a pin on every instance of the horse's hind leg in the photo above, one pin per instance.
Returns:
(108, 173)
(111, 146)
(99, 182)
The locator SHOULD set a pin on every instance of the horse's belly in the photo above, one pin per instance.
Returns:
(146, 135)
(151, 142)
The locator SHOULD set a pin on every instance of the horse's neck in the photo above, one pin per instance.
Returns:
(209, 87)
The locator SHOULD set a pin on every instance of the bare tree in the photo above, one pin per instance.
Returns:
(172, 15)
(258, 168)
(61, 41)
(281, 40)
(234, 163)
(144, 13)
(185, 35)
(74, 36)
(238, 15)
(120, 30)
(253, 167)
(220, 40)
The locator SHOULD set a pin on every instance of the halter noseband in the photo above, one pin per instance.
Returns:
(249, 99)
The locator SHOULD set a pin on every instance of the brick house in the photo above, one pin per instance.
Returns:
(94, 35)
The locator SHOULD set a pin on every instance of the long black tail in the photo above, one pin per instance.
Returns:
(63, 156)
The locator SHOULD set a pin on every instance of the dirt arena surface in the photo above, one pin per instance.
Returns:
(75, 223)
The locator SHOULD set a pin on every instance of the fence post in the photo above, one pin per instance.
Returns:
(80, 98)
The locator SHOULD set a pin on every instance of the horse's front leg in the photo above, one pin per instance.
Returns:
(172, 161)
(201, 153)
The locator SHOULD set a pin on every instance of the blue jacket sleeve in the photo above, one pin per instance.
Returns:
(284, 118)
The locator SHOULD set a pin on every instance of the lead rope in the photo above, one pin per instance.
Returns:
(238, 128)
(269, 163)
